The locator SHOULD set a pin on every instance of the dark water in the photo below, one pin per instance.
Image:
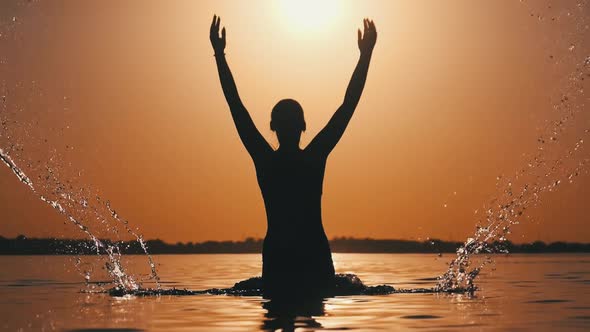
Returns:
(525, 292)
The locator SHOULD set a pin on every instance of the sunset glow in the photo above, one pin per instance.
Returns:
(306, 15)
(129, 97)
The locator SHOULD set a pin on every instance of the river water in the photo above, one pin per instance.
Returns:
(523, 292)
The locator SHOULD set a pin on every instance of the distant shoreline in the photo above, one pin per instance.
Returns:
(50, 246)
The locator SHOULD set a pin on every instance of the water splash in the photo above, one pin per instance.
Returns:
(114, 265)
(501, 215)
(546, 170)
(19, 174)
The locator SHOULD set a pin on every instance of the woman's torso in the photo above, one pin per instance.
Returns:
(291, 185)
(296, 252)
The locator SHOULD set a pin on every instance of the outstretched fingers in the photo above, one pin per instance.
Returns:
(215, 25)
(370, 29)
(212, 29)
(367, 36)
(214, 32)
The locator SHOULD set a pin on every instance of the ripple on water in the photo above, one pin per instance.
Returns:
(458, 326)
(580, 317)
(549, 301)
(427, 279)
(524, 283)
(106, 330)
(487, 314)
(421, 317)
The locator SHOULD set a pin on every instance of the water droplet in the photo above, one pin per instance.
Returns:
(572, 47)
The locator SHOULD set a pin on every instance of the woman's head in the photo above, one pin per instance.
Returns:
(286, 119)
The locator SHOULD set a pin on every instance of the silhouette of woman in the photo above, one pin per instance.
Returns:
(296, 256)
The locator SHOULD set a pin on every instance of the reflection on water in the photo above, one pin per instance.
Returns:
(289, 316)
(528, 292)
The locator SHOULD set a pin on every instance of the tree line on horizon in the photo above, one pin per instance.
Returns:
(22, 245)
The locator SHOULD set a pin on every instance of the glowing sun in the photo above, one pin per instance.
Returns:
(309, 14)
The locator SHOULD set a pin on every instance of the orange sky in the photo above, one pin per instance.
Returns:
(127, 94)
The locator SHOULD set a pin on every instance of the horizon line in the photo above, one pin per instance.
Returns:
(257, 239)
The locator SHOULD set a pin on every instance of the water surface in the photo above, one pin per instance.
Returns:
(524, 292)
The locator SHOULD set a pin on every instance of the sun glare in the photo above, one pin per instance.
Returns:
(309, 14)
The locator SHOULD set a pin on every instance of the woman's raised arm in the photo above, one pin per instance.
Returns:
(329, 136)
(249, 134)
